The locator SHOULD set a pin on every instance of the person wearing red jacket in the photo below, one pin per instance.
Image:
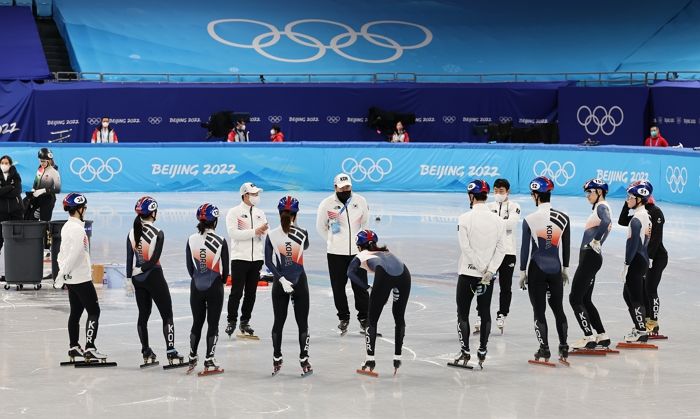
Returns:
(400, 134)
(276, 134)
(104, 133)
(655, 139)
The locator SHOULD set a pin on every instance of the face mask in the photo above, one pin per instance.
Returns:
(500, 197)
(343, 196)
(242, 128)
(654, 133)
(272, 132)
(5, 168)
(105, 124)
(81, 213)
(254, 200)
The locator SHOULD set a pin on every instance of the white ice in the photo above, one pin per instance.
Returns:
(419, 228)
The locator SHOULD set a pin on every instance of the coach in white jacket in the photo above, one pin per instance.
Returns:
(482, 237)
(247, 226)
(338, 220)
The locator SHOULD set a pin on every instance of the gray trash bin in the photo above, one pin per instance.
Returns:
(55, 232)
(24, 252)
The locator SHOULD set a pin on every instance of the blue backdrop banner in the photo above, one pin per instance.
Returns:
(675, 174)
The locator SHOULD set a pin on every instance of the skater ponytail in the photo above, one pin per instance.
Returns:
(206, 225)
(138, 230)
(286, 220)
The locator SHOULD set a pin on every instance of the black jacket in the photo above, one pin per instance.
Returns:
(656, 241)
(10, 194)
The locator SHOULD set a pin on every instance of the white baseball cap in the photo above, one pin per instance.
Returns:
(249, 187)
(341, 180)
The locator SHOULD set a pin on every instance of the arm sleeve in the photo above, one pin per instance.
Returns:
(225, 264)
(129, 258)
(500, 250)
(365, 216)
(73, 256)
(6, 189)
(160, 239)
(463, 237)
(633, 241)
(306, 240)
(56, 184)
(269, 254)
(406, 138)
(188, 260)
(525, 246)
(353, 273)
(566, 244)
(604, 214)
(322, 221)
(231, 136)
(93, 139)
(234, 232)
(116, 140)
(513, 219)
(657, 232)
(625, 218)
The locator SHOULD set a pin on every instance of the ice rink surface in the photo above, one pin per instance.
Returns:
(420, 229)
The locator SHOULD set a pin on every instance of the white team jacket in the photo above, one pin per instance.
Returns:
(74, 254)
(352, 220)
(482, 237)
(510, 212)
(241, 222)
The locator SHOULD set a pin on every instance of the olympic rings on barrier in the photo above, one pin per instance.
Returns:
(677, 178)
(560, 173)
(367, 168)
(600, 119)
(96, 168)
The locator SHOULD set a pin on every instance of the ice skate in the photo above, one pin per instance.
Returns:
(542, 357)
(246, 332)
(397, 363)
(500, 322)
(586, 346)
(652, 327)
(343, 327)
(602, 341)
(75, 354)
(230, 328)
(149, 358)
(94, 359)
(481, 355)
(210, 367)
(477, 326)
(636, 339)
(306, 369)
(564, 355)
(175, 360)
(367, 367)
(461, 361)
(192, 362)
(276, 365)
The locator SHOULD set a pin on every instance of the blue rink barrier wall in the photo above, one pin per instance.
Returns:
(311, 166)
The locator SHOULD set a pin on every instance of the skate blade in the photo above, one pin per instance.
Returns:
(69, 363)
(343, 332)
(362, 333)
(149, 365)
(564, 362)
(175, 365)
(543, 363)
(189, 370)
(464, 366)
(95, 364)
(307, 373)
(635, 345)
(367, 373)
(210, 372)
(598, 352)
(249, 337)
(658, 337)
(608, 350)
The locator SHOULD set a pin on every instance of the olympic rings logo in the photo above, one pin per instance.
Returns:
(93, 121)
(96, 168)
(677, 178)
(505, 119)
(155, 120)
(274, 119)
(367, 168)
(449, 119)
(600, 119)
(333, 119)
(560, 173)
(337, 43)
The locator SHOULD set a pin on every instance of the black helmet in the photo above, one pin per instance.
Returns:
(45, 154)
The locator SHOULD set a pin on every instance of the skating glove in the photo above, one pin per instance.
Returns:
(129, 287)
(651, 263)
(286, 285)
(523, 280)
(623, 275)
(565, 275)
(39, 192)
(595, 245)
(136, 271)
(487, 278)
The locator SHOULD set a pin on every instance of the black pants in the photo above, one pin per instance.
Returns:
(280, 304)
(589, 264)
(467, 287)
(384, 285)
(634, 291)
(207, 305)
(505, 282)
(83, 297)
(538, 284)
(651, 286)
(338, 271)
(154, 289)
(244, 276)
